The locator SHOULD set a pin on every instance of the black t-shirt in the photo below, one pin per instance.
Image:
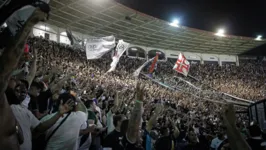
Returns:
(113, 140)
(193, 147)
(255, 144)
(43, 102)
(11, 97)
(128, 146)
(164, 143)
(33, 105)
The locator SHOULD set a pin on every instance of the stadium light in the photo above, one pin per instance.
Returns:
(175, 23)
(259, 38)
(220, 32)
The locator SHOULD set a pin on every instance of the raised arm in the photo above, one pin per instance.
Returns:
(135, 117)
(8, 62)
(235, 138)
(154, 117)
(176, 130)
(59, 85)
(10, 57)
(18, 71)
(33, 68)
(116, 102)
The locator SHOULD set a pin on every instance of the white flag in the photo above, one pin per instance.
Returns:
(120, 49)
(97, 47)
(137, 72)
(16, 21)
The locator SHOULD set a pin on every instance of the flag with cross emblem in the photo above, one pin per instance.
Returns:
(182, 65)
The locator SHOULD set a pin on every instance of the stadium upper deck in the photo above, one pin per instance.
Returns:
(107, 17)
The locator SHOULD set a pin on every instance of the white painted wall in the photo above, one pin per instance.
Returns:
(228, 58)
(193, 56)
(210, 57)
(39, 32)
(64, 39)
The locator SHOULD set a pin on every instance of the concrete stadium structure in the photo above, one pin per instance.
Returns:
(97, 18)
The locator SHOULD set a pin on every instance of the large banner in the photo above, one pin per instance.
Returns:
(120, 49)
(97, 47)
(16, 21)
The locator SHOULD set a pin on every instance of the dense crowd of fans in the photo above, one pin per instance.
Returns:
(55, 99)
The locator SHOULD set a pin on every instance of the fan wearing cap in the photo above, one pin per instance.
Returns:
(30, 125)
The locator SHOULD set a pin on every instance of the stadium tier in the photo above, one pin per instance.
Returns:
(107, 17)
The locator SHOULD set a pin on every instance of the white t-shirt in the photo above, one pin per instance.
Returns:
(66, 137)
(216, 143)
(26, 101)
(110, 125)
(98, 109)
(27, 122)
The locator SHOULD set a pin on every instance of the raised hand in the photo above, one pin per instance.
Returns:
(139, 92)
(158, 110)
(229, 114)
(68, 106)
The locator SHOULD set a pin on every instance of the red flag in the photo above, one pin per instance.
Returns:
(26, 48)
(182, 65)
(154, 63)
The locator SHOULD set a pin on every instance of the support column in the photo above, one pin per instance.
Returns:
(237, 61)
(58, 35)
(219, 61)
(201, 61)
(82, 43)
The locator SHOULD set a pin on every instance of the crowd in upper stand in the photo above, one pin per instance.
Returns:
(53, 98)
(244, 81)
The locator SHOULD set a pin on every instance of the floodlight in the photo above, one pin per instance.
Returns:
(220, 32)
(259, 38)
(175, 23)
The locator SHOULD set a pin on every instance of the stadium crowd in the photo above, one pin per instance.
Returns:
(53, 98)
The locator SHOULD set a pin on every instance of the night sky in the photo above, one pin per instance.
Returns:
(237, 17)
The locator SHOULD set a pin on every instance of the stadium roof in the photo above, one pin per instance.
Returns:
(107, 17)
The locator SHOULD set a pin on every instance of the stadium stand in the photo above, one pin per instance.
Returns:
(53, 98)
